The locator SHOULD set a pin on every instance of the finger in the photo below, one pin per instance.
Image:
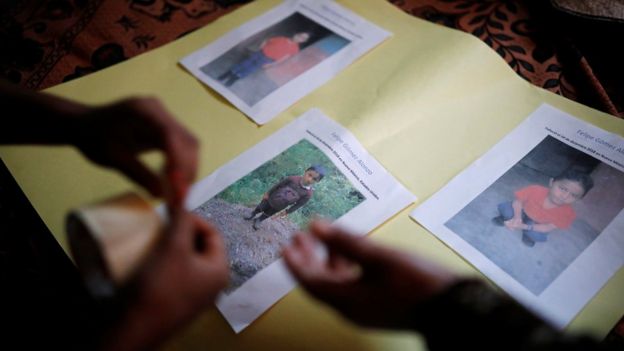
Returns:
(211, 252)
(182, 160)
(327, 285)
(178, 144)
(342, 267)
(139, 173)
(180, 224)
(358, 249)
(179, 185)
(175, 195)
(314, 273)
(207, 241)
(300, 256)
(294, 262)
(182, 148)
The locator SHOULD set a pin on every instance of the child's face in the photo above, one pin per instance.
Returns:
(565, 191)
(310, 177)
(301, 37)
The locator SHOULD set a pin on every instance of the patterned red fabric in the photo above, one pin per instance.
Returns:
(503, 25)
(44, 43)
(531, 38)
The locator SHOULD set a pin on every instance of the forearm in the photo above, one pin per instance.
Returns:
(39, 118)
(471, 315)
(135, 330)
(133, 322)
(517, 208)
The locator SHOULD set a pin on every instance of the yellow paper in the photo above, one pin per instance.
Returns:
(426, 103)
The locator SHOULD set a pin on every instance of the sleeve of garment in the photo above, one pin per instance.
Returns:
(524, 193)
(471, 315)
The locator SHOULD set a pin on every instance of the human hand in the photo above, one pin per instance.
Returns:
(190, 262)
(114, 135)
(514, 223)
(368, 283)
(184, 274)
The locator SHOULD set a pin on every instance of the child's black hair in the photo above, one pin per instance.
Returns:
(580, 177)
(318, 169)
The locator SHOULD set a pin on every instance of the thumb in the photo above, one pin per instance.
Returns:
(208, 241)
(358, 249)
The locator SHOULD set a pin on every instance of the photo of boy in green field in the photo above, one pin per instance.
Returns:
(287, 196)
(260, 212)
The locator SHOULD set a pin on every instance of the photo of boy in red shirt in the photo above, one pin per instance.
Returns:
(538, 210)
(272, 52)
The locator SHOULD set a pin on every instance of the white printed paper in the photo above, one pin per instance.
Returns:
(355, 192)
(270, 62)
(553, 272)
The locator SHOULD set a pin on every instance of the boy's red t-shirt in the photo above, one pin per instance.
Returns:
(277, 48)
(532, 198)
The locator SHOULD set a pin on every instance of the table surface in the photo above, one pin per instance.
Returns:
(427, 88)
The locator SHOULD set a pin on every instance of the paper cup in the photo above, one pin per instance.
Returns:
(110, 239)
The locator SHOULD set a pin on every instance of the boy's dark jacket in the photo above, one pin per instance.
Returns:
(289, 191)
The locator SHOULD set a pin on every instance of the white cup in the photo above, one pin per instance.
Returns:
(109, 240)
